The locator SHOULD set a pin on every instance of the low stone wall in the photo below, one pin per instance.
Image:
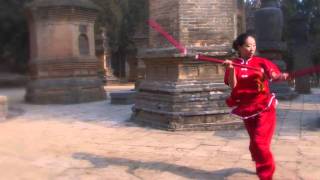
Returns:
(3, 107)
(65, 90)
(123, 98)
(13, 80)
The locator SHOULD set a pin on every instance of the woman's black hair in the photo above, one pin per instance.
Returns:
(240, 40)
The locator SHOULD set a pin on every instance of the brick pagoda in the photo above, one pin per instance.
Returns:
(63, 65)
(179, 92)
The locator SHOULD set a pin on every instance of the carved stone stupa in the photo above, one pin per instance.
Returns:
(268, 28)
(179, 92)
(63, 65)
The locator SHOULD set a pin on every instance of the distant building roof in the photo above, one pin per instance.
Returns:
(87, 4)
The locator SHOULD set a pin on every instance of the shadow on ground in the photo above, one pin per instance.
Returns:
(15, 112)
(184, 171)
(232, 134)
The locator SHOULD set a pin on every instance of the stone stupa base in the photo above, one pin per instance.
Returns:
(184, 105)
(65, 91)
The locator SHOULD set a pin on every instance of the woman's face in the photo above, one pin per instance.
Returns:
(248, 49)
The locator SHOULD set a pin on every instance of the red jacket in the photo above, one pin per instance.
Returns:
(251, 95)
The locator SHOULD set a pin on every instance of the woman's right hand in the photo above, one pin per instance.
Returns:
(228, 64)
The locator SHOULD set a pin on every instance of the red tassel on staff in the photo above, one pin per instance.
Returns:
(210, 59)
(153, 24)
(305, 71)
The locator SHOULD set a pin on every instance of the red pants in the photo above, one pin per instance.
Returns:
(261, 129)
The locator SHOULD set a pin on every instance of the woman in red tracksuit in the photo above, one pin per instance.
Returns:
(253, 102)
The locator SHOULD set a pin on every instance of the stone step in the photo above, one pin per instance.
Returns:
(12, 80)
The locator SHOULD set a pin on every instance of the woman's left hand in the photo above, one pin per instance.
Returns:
(282, 76)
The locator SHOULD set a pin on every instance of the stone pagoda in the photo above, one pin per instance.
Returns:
(179, 92)
(300, 49)
(63, 65)
(268, 23)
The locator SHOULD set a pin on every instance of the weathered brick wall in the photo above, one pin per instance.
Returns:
(55, 32)
(207, 22)
(197, 23)
(165, 12)
(172, 69)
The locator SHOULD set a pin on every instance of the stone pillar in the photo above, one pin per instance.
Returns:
(101, 48)
(180, 93)
(315, 53)
(141, 42)
(268, 28)
(63, 65)
(111, 78)
(250, 9)
(300, 49)
(241, 17)
(105, 57)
